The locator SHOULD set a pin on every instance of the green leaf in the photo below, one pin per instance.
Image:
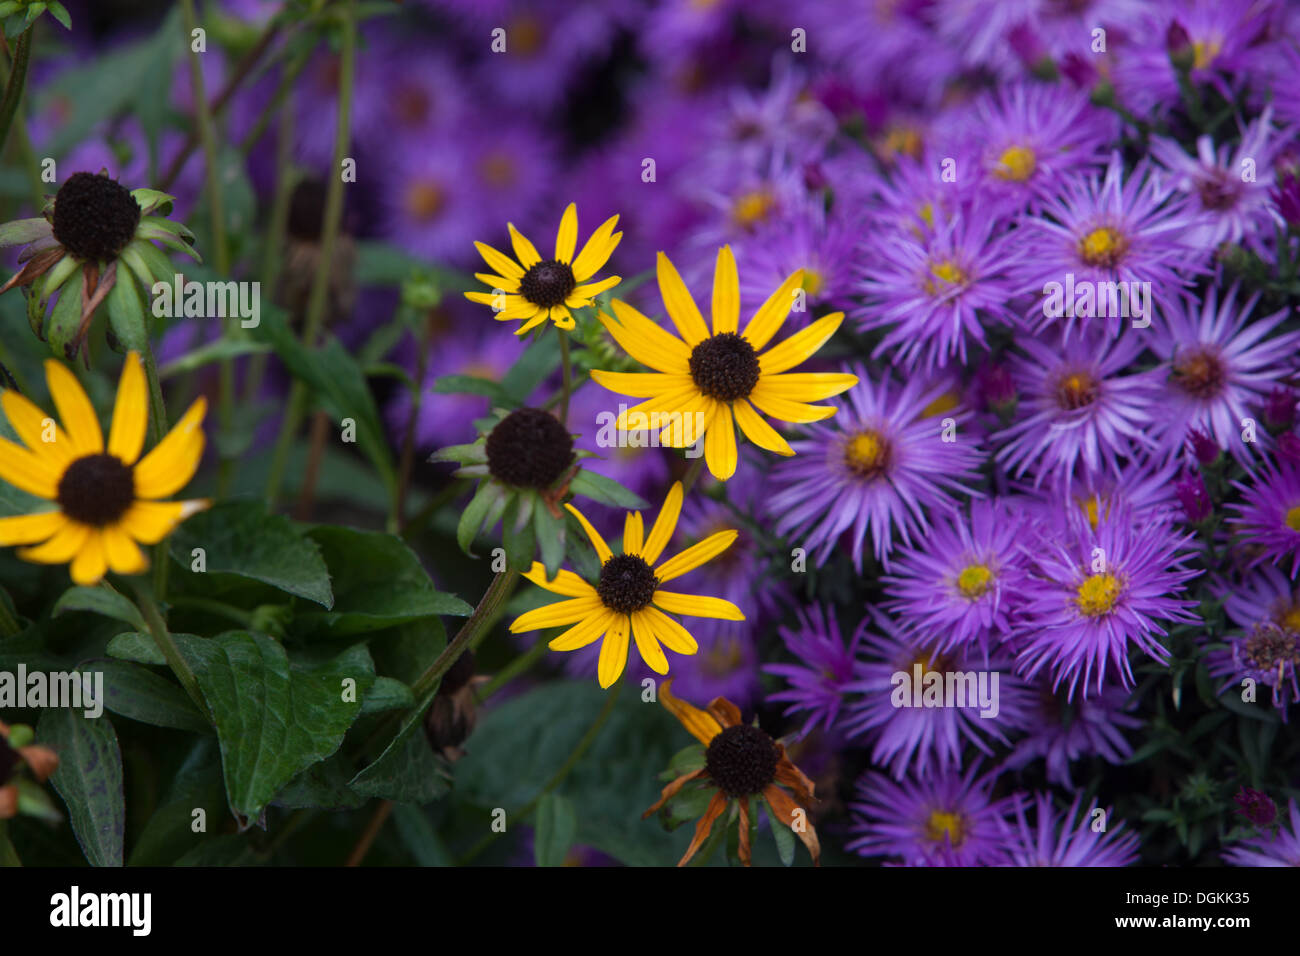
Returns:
(138, 647)
(607, 491)
(550, 532)
(781, 833)
(242, 538)
(169, 832)
(217, 351)
(540, 360)
(19, 232)
(89, 780)
(407, 771)
(471, 519)
(419, 836)
(519, 542)
(136, 692)
(378, 583)
(273, 721)
(126, 313)
(60, 13)
(322, 786)
(65, 321)
(387, 694)
(556, 826)
(471, 385)
(102, 601)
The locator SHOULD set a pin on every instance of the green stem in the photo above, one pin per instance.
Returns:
(318, 297)
(23, 143)
(162, 637)
(219, 608)
(17, 80)
(567, 368)
(693, 472)
(493, 598)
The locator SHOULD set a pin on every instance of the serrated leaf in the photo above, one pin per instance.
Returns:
(136, 692)
(555, 828)
(89, 780)
(99, 601)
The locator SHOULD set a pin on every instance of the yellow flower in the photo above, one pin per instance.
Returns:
(627, 600)
(536, 289)
(106, 497)
(704, 382)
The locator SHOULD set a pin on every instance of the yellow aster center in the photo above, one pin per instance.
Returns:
(1092, 508)
(753, 207)
(1098, 594)
(1103, 246)
(1016, 164)
(1076, 390)
(813, 282)
(498, 169)
(945, 402)
(947, 272)
(942, 823)
(926, 213)
(1290, 618)
(424, 200)
(1293, 518)
(975, 580)
(903, 139)
(1205, 52)
(867, 453)
(525, 35)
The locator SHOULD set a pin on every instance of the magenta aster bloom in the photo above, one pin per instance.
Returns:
(878, 467)
(1063, 732)
(1255, 806)
(914, 738)
(950, 819)
(1221, 365)
(931, 289)
(1269, 517)
(1076, 408)
(1280, 848)
(1096, 592)
(1098, 231)
(825, 665)
(961, 583)
(1066, 840)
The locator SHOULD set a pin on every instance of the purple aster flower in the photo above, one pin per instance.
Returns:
(950, 819)
(1103, 244)
(962, 581)
(1096, 592)
(1077, 411)
(824, 247)
(932, 289)
(917, 728)
(1265, 607)
(1269, 516)
(825, 665)
(1062, 732)
(1274, 848)
(1228, 206)
(1066, 840)
(1256, 807)
(878, 466)
(1287, 197)
(1279, 409)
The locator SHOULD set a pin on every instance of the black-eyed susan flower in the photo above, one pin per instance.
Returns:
(704, 384)
(627, 601)
(533, 289)
(91, 227)
(738, 762)
(106, 495)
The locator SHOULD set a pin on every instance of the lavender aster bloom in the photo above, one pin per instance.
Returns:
(1281, 848)
(950, 819)
(1062, 732)
(1066, 840)
(822, 246)
(1093, 593)
(1269, 516)
(825, 665)
(878, 466)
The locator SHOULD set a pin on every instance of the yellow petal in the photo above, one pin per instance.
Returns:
(150, 521)
(25, 470)
(173, 461)
(565, 582)
(645, 341)
(697, 554)
(702, 725)
(124, 555)
(693, 419)
(554, 615)
(726, 293)
(677, 300)
(592, 289)
(759, 431)
(597, 542)
(800, 345)
(499, 261)
(785, 410)
(130, 414)
(525, 251)
(566, 239)
(34, 426)
(61, 548)
(613, 652)
(561, 316)
(675, 637)
(584, 632)
(30, 529)
(597, 250)
(656, 412)
(720, 445)
(91, 562)
(664, 525)
(697, 605)
(807, 386)
(74, 407)
(633, 533)
(532, 323)
(640, 384)
(771, 314)
(647, 643)
(496, 282)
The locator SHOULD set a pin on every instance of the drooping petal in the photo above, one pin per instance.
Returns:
(743, 851)
(727, 713)
(130, 413)
(702, 725)
(758, 431)
(705, 826)
(671, 790)
(785, 812)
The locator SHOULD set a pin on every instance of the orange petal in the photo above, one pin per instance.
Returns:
(705, 826)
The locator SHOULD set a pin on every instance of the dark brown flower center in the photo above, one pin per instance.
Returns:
(626, 583)
(1200, 373)
(529, 448)
(1076, 390)
(741, 760)
(96, 490)
(1269, 645)
(94, 216)
(725, 367)
(547, 283)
